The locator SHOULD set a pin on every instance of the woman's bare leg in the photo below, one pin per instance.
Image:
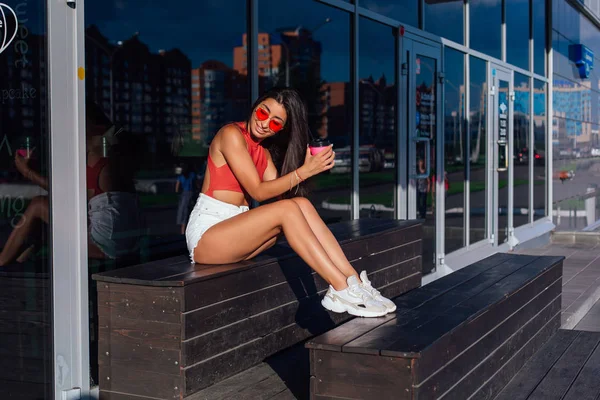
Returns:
(36, 211)
(243, 236)
(325, 237)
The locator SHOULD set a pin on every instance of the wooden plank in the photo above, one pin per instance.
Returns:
(415, 341)
(233, 285)
(108, 395)
(534, 371)
(521, 346)
(123, 378)
(224, 313)
(140, 302)
(560, 377)
(334, 340)
(439, 381)
(307, 313)
(205, 373)
(453, 343)
(357, 376)
(408, 320)
(587, 384)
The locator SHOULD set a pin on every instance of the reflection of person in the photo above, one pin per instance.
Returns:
(186, 182)
(423, 188)
(266, 157)
(112, 204)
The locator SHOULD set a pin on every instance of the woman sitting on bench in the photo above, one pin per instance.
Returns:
(264, 158)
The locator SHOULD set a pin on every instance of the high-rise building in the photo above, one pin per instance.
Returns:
(148, 93)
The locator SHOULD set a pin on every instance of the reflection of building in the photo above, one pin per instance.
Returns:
(219, 96)
(573, 102)
(292, 54)
(335, 111)
(150, 92)
(377, 112)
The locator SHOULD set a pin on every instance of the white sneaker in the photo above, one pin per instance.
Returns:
(353, 300)
(366, 286)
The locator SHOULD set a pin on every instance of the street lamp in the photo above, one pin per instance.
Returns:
(111, 55)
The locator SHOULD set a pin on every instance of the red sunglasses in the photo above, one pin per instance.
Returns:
(263, 115)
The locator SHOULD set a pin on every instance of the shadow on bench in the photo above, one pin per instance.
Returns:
(464, 335)
(169, 328)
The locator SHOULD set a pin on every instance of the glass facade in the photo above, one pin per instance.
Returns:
(575, 122)
(26, 274)
(160, 80)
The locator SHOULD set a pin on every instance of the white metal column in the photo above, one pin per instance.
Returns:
(68, 199)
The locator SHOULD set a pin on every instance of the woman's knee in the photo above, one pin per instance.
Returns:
(288, 208)
(303, 203)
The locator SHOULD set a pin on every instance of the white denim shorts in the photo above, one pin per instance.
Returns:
(207, 212)
(115, 223)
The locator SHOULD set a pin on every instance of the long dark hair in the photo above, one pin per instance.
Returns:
(288, 146)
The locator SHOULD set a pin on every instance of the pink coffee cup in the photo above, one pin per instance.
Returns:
(318, 145)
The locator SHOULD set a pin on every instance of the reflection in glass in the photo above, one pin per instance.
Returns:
(539, 141)
(25, 257)
(405, 11)
(310, 51)
(445, 19)
(486, 23)
(154, 101)
(517, 33)
(454, 148)
(377, 122)
(425, 72)
(522, 150)
(503, 116)
(539, 37)
(478, 149)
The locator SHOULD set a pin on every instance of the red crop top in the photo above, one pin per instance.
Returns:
(93, 176)
(221, 178)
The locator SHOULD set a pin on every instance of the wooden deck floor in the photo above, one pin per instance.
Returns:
(568, 367)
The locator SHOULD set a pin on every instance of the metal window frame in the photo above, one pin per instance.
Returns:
(69, 227)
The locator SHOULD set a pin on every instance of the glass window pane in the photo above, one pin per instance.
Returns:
(310, 51)
(445, 19)
(478, 148)
(539, 37)
(170, 87)
(26, 357)
(517, 33)
(405, 11)
(377, 121)
(455, 145)
(486, 24)
(539, 141)
(522, 154)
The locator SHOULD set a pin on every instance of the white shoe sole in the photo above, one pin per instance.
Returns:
(339, 307)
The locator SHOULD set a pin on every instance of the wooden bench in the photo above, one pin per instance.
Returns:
(169, 328)
(451, 339)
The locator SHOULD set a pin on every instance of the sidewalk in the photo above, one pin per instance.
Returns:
(581, 283)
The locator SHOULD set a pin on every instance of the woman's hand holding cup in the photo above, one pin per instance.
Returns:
(320, 157)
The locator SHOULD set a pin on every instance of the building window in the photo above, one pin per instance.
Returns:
(486, 26)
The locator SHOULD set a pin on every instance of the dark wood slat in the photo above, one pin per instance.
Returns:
(124, 379)
(455, 368)
(534, 371)
(354, 376)
(334, 340)
(307, 313)
(442, 351)
(139, 302)
(418, 340)
(587, 384)
(486, 380)
(560, 377)
(106, 395)
(402, 329)
(208, 318)
(204, 374)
